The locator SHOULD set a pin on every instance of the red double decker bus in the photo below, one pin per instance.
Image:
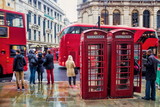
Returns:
(12, 37)
(70, 39)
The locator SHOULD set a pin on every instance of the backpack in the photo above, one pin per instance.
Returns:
(33, 61)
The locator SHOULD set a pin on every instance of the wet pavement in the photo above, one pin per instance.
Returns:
(61, 95)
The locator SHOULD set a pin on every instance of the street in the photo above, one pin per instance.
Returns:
(59, 75)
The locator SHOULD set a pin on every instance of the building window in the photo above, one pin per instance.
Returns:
(51, 24)
(30, 2)
(39, 20)
(48, 11)
(146, 19)
(135, 18)
(44, 9)
(35, 35)
(39, 35)
(104, 17)
(158, 19)
(48, 37)
(51, 12)
(35, 19)
(55, 14)
(1, 18)
(48, 24)
(35, 3)
(55, 31)
(116, 17)
(84, 1)
(51, 38)
(39, 5)
(29, 34)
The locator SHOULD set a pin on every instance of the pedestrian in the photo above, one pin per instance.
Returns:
(49, 66)
(70, 65)
(150, 76)
(18, 64)
(40, 68)
(33, 62)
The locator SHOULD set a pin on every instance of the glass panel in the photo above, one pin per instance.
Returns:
(13, 49)
(1, 18)
(3, 32)
(95, 67)
(123, 66)
(14, 20)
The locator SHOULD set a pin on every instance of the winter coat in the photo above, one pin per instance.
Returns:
(30, 56)
(40, 67)
(18, 63)
(151, 67)
(49, 64)
(70, 65)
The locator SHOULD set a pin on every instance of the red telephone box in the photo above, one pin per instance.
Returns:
(93, 64)
(121, 43)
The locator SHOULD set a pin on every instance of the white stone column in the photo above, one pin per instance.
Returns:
(122, 20)
(41, 29)
(141, 20)
(151, 21)
(110, 19)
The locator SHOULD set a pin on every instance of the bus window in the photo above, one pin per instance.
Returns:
(3, 32)
(13, 49)
(1, 18)
(14, 20)
(146, 35)
(64, 32)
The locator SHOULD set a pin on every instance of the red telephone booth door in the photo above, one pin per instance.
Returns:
(122, 69)
(137, 67)
(95, 74)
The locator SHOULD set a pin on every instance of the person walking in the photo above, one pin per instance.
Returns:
(70, 65)
(150, 76)
(40, 68)
(49, 66)
(32, 65)
(18, 64)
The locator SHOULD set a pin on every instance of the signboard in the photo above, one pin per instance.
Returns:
(95, 36)
(3, 32)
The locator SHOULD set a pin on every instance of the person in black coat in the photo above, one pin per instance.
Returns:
(49, 66)
(33, 62)
(18, 64)
(40, 68)
(150, 76)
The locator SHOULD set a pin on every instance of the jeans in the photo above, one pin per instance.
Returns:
(32, 75)
(150, 92)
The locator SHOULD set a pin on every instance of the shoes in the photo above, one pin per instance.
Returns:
(153, 99)
(144, 98)
(48, 83)
(75, 86)
(18, 89)
(23, 88)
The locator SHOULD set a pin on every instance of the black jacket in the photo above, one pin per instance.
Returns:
(30, 56)
(151, 67)
(18, 63)
(49, 64)
(40, 67)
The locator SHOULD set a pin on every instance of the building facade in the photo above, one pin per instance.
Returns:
(44, 20)
(7, 4)
(142, 13)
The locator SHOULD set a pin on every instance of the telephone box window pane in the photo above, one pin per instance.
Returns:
(3, 32)
(95, 67)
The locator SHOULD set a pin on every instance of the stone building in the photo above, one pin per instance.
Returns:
(7, 4)
(142, 13)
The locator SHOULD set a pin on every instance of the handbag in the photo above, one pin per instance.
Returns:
(75, 70)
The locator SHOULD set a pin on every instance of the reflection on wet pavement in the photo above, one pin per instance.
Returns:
(61, 95)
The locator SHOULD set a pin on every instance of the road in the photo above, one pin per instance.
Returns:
(59, 75)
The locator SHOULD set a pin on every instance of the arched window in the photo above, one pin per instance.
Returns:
(158, 19)
(104, 17)
(146, 19)
(116, 17)
(85, 18)
(135, 21)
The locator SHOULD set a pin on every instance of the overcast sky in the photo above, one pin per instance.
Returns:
(70, 9)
